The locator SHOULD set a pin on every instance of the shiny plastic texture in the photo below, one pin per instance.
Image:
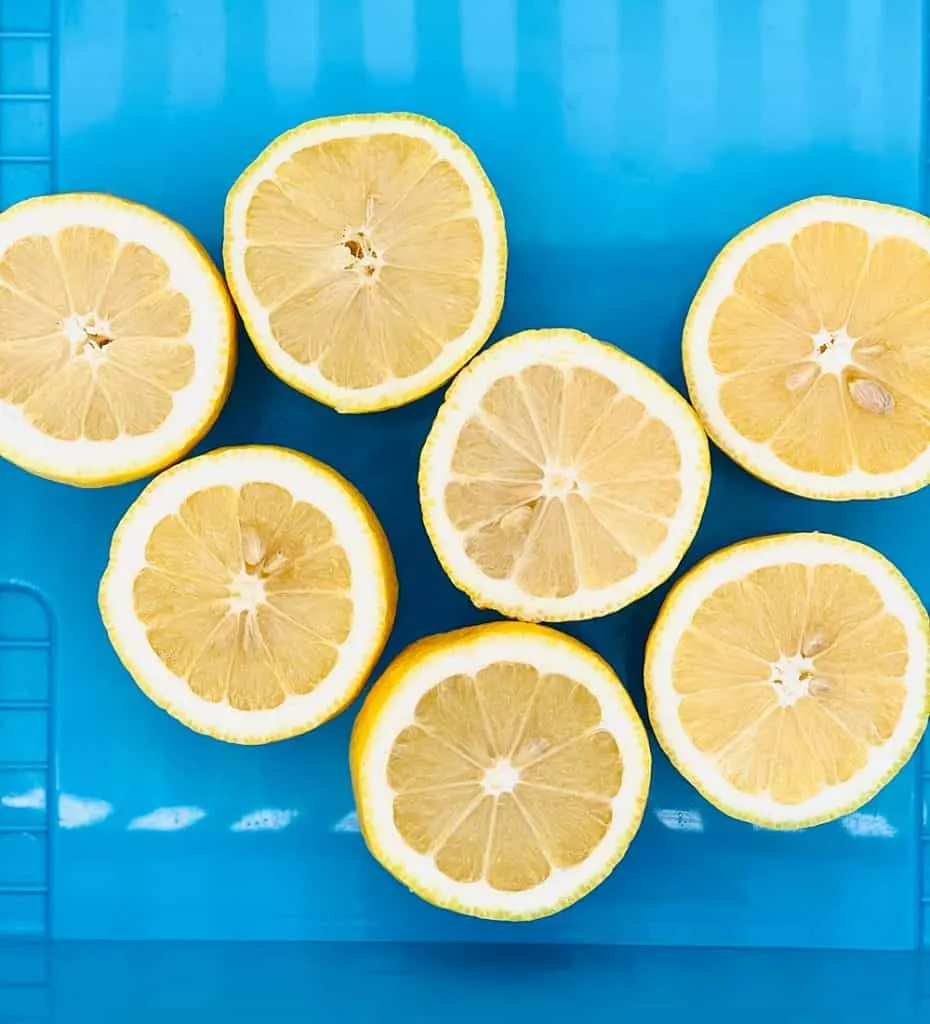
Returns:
(628, 140)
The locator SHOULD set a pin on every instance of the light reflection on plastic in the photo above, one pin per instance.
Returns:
(167, 819)
(680, 821)
(861, 824)
(79, 811)
(33, 800)
(347, 823)
(270, 819)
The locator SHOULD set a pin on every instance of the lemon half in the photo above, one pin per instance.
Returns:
(367, 257)
(249, 592)
(786, 677)
(500, 771)
(562, 479)
(807, 349)
(117, 339)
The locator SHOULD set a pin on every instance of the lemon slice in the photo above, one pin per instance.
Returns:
(500, 771)
(787, 677)
(367, 257)
(249, 592)
(117, 339)
(807, 349)
(561, 479)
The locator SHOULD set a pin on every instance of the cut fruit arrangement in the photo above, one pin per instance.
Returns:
(500, 770)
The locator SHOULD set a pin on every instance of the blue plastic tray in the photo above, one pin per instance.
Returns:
(628, 139)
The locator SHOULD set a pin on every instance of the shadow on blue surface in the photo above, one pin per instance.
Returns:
(277, 983)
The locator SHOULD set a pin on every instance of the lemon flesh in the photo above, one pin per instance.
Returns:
(561, 478)
(249, 592)
(807, 349)
(367, 258)
(787, 677)
(116, 339)
(499, 770)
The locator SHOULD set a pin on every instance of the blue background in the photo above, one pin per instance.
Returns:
(628, 140)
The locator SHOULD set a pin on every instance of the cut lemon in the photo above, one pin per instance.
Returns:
(561, 479)
(787, 677)
(367, 257)
(807, 349)
(117, 339)
(249, 592)
(500, 771)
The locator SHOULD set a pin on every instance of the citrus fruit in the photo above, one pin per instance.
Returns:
(117, 339)
(562, 479)
(500, 771)
(367, 257)
(249, 592)
(807, 349)
(786, 677)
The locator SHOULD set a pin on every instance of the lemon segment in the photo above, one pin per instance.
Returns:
(807, 349)
(561, 479)
(786, 677)
(249, 592)
(367, 257)
(500, 771)
(117, 339)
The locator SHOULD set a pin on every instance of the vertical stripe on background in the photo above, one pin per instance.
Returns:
(589, 33)
(489, 47)
(389, 38)
(196, 52)
(738, 78)
(863, 63)
(690, 80)
(292, 44)
(784, 116)
(904, 44)
(92, 26)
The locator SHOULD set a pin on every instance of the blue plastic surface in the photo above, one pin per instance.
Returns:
(628, 140)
